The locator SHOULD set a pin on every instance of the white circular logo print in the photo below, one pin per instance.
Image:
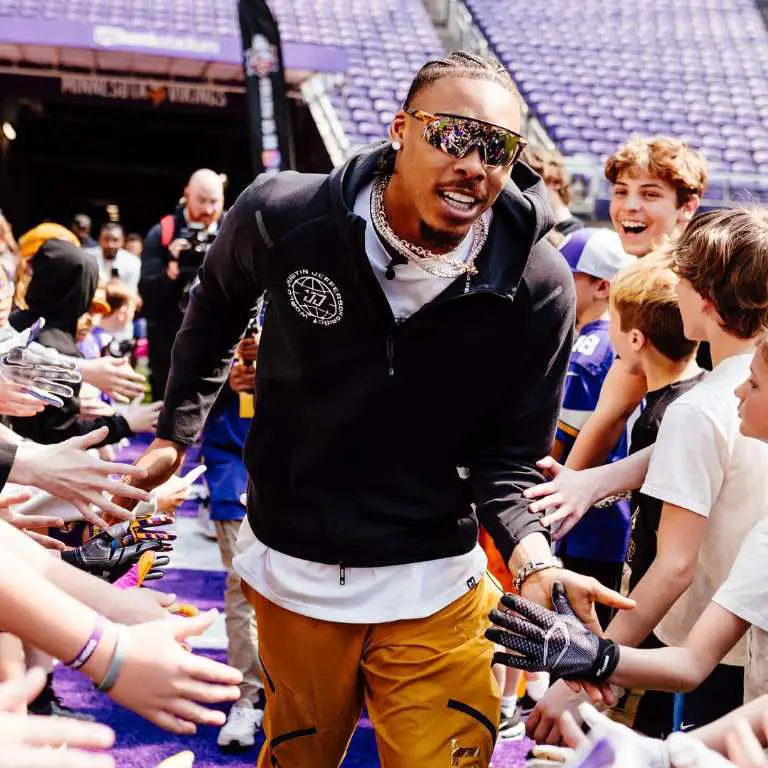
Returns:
(315, 297)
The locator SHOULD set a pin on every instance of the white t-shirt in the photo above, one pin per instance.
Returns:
(127, 264)
(702, 462)
(744, 594)
(368, 595)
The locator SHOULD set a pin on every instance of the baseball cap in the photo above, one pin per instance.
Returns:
(595, 252)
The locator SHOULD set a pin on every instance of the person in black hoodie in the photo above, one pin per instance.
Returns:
(63, 286)
(417, 321)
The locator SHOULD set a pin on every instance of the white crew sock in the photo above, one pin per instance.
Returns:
(537, 684)
(508, 704)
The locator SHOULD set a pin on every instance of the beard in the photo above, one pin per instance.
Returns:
(438, 239)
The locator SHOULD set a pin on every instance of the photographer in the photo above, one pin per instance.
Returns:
(173, 251)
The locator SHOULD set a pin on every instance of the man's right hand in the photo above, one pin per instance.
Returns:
(155, 466)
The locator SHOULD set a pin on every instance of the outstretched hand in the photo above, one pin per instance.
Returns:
(168, 685)
(153, 468)
(29, 741)
(114, 376)
(583, 593)
(21, 521)
(550, 641)
(565, 498)
(68, 472)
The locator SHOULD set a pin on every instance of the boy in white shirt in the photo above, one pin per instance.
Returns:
(710, 478)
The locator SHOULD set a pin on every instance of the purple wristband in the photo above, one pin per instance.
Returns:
(90, 646)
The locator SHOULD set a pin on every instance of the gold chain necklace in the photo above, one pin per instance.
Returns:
(435, 264)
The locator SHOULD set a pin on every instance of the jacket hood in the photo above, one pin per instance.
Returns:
(522, 203)
(64, 282)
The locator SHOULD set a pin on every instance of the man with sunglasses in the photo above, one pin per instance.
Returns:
(416, 322)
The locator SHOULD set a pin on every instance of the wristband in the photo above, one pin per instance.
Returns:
(608, 654)
(534, 567)
(90, 646)
(115, 665)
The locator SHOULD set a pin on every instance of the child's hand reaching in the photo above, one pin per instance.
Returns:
(142, 418)
(565, 499)
(175, 490)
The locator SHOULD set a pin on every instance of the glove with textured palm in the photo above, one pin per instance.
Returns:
(550, 641)
(110, 554)
(48, 376)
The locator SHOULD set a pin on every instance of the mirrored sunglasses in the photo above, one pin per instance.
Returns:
(458, 135)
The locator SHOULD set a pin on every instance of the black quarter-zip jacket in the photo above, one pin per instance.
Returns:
(361, 422)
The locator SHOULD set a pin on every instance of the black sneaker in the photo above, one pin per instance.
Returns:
(512, 728)
(49, 704)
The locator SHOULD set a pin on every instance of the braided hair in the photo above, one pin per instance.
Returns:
(456, 64)
(460, 64)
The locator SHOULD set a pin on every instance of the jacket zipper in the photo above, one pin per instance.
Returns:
(391, 355)
(342, 574)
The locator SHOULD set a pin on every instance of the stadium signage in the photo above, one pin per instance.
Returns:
(114, 37)
(128, 89)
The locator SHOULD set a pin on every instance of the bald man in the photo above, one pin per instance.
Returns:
(172, 251)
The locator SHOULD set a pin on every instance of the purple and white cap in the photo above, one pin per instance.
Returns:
(595, 252)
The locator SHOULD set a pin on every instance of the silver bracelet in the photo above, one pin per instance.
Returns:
(534, 567)
(115, 664)
(609, 501)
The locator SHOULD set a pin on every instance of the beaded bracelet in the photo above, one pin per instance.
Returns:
(115, 664)
(90, 646)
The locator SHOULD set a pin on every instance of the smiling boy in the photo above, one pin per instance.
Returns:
(657, 186)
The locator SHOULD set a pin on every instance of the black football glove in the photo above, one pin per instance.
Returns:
(110, 554)
(551, 641)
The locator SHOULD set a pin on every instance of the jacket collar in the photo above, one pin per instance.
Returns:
(521, 217)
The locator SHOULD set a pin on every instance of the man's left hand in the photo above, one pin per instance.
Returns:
(583, 593)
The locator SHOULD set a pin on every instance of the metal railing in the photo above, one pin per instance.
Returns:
(315, 92)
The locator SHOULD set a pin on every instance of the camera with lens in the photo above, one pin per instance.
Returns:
(122, 348)
(200, 240)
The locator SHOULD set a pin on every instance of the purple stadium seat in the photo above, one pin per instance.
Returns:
(648, 74)
(576, 147)
(691, 68)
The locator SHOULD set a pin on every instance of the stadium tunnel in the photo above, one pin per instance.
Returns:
(96, 113)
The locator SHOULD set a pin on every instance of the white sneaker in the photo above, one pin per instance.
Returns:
(511, 728)
(239, 732)
(204, 521)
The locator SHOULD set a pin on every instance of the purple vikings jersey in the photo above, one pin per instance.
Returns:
(602, 534)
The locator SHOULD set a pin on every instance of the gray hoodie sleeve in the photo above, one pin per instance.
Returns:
(523, 425)
(227, 288)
